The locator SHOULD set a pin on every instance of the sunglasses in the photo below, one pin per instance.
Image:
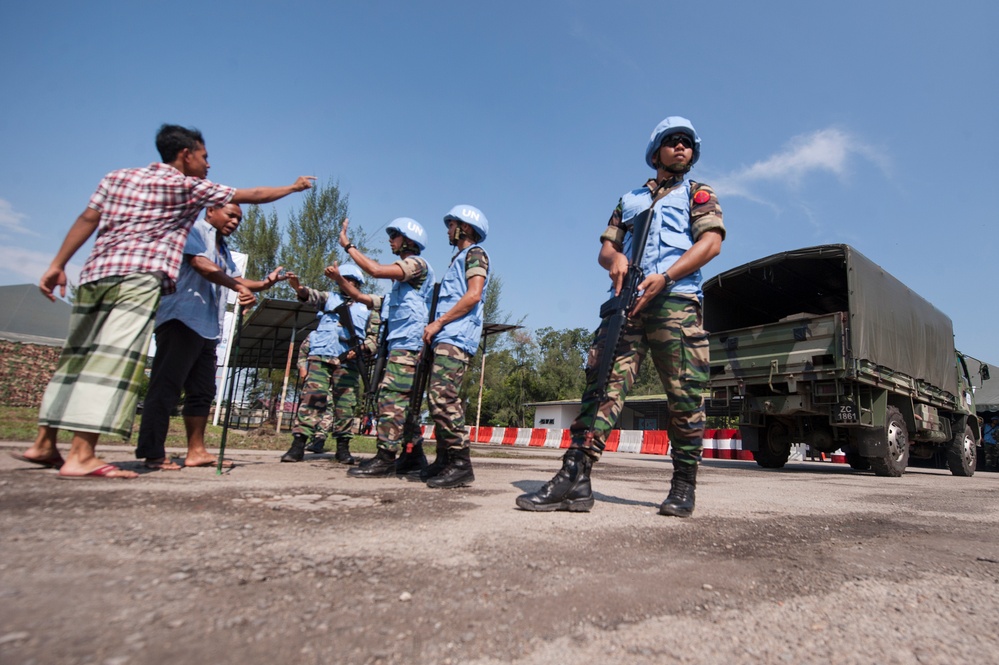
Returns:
(673, 139)
(393, 235)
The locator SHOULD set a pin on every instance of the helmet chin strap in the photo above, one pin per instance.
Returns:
(456, 237)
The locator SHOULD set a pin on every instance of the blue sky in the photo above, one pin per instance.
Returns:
(867, 123)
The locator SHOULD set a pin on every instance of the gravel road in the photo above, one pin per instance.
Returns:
(297, 563)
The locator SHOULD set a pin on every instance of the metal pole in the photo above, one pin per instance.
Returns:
(482, 377)
(284, 385)
(232, 387)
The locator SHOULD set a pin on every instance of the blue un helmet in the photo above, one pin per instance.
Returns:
(471, 216)
(672, 125)
(409, 229)
(350, 271)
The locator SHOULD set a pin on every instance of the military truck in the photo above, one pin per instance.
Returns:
(822, 346)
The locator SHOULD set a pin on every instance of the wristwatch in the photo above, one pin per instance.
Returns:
(670, 283)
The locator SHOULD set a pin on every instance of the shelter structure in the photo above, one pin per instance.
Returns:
(28, 317)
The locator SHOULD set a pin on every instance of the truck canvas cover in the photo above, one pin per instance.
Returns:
(887, 320)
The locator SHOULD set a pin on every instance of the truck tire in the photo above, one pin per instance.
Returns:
(896, 457)
(962, 453)
(775, 446)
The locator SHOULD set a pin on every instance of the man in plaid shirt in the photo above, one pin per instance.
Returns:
(142, 217)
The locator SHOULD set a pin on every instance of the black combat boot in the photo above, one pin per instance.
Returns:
(435, 469)
(680, 501)
(458, 471)
(412, 461)
(568, 490)
(343, 455)
(379, 466)
(297, 451)
(317, 446)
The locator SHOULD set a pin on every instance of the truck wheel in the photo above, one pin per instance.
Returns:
(962, 453)
(775, 446)
(896, 456)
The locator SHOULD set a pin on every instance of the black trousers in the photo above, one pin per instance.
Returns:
(184, 361)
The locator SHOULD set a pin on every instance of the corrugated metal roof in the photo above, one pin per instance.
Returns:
(29, 317)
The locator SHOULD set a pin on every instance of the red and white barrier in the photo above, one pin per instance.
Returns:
(718, 443)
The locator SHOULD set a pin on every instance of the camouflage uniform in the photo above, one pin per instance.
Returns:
(329, 394)
(329, 382)
(450, 363)
(446, 407)
(393, 397)
(396, 387)
(322, 430)
(670, 328)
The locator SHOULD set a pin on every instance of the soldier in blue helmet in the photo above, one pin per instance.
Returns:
(333, 378)
(685, 233)
(406, 313)
(454, 336)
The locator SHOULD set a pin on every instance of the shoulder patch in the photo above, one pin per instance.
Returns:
(701, 197)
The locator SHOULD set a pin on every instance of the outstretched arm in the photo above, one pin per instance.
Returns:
(269, 194)
(277, 275)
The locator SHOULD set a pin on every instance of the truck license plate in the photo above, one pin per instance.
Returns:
(846, 413)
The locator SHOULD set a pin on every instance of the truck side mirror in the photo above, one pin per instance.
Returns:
(984, 371)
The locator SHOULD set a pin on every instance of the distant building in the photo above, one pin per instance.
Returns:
(639, 413)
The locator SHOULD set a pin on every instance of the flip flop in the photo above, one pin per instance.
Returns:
(106, 471)
(50, 463)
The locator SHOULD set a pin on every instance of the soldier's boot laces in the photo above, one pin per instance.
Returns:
(379, 466)
(456, 473)
(317, 446)
(412, 461)
(568, 490)
(343, 455)
(680, 501)
(438, 465)
(297, 451)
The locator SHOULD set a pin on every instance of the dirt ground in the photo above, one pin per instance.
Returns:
(297, 563)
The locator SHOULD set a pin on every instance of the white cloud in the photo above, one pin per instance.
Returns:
(11, 220)
(830, 151)
(29, 264)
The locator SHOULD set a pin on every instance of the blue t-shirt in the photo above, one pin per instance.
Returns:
(198, 303)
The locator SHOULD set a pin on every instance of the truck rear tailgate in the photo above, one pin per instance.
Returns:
(799, 347)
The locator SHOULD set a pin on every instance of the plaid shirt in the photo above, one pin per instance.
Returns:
(146, 214)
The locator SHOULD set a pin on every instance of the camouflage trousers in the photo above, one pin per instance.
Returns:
(991, 455)
(329, 396)
(446, 406)
(393, 397)
(670, 330)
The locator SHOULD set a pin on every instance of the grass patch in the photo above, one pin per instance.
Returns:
(19, 423)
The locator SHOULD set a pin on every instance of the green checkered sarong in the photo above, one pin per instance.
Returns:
(95, 386)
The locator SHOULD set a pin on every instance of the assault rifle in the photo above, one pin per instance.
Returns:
(615, 311)
(376, 370)
(424, 364)
(355, 343)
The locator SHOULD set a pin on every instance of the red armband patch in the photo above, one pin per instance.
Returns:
(702, 197)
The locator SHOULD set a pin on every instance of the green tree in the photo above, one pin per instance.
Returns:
(259, 237)
(561, 368)
(312, 234)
